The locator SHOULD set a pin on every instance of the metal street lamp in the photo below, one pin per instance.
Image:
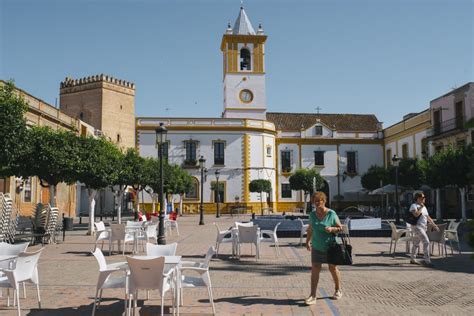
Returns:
(396, 162)
(217, 173)
(202, 162)
(161, 133)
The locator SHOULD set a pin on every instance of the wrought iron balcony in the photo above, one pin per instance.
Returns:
(455, 124)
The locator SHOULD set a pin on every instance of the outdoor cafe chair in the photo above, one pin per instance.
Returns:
(7, 249)
(202, 280)
(270, 236)
(399, 235)
(249, 235)
(161, 250)
(25, 270)
(171, 224)
(150, 233)
(102, 234)
(451, 235)
(148, 274)
(119, 234)
(223, 236)
(438, 236)
(237, 224)
(106, 281)
(303, 230)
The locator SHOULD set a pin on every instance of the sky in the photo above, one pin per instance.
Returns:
(382, 57)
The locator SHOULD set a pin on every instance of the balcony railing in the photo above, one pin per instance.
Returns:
(443, 127)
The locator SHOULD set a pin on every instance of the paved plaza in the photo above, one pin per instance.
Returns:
(274, 285)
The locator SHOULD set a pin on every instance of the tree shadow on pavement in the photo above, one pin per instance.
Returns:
(252, 300)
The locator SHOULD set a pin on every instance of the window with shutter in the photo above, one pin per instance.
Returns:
(351, 162)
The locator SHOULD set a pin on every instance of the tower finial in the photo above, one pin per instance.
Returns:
(241, 4)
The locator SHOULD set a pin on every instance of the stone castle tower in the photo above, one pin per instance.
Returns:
(106, 103)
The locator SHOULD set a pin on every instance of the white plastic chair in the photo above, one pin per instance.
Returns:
(148, 274)
(271, 237)
(150, 233)
(170, 225)
(12, 250)
(118, 233)
(451, 235)
(105, 280)
(155, 219)
(101, 234)
(237, 224)
(223, 236)
(402, 235)
(161, 250)
(249, 235)
(26, 270)
(438, 236)
(202, 280)
(303, 231)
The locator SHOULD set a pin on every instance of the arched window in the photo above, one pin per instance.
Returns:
(245, 62)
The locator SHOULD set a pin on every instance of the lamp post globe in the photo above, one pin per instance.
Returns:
(396, 162)
(202, 163)
(217, 173)
(161, 133)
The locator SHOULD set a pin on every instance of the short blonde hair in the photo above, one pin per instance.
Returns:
(318, 195)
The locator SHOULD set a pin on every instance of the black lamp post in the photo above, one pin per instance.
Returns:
(161, 133)
(217, 173)
(202, 162)
(396, 162)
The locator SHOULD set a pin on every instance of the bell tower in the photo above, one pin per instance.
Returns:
(243, 50)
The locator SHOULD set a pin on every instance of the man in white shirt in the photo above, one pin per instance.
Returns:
(419, 230)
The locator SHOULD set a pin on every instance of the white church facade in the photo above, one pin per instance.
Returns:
(248, 142)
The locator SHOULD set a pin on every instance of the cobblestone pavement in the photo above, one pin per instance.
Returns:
(274, 285)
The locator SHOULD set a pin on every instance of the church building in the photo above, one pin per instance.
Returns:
(247, 142)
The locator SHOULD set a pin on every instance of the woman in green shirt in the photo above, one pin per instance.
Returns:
(324, 223)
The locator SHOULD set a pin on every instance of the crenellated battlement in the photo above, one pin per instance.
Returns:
(70, 82)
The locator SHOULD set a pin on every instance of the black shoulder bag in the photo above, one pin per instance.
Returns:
(411, 219)
(340, 254)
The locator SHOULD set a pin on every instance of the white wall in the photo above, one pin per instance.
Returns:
(234, 83)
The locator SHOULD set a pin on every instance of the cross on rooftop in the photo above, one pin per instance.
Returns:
(318, 109)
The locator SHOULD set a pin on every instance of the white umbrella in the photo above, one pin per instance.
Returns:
(389, 188)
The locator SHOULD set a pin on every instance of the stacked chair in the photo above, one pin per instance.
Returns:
(8, 218)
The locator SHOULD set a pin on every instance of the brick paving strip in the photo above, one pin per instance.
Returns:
(376, 284)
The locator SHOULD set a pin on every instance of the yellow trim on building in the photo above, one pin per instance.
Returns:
(210, 128)
(408, 132)
(327, 141)
(246, 171)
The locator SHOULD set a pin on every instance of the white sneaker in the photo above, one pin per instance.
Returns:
(311, 300)
(337, 295)
(414, 261)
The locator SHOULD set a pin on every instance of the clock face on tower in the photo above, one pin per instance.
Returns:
(246, 96)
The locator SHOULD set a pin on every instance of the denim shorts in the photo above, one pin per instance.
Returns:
(318, 256)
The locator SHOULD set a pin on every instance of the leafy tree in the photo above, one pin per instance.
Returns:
(180, 182)
(98, 161)
(374, 176)
(13, 132)
(154, 176)
(410, 173)
(260, 186)
(128, 173)
(52, 157)
(451, 166)
(307, 180)
(469, 124)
